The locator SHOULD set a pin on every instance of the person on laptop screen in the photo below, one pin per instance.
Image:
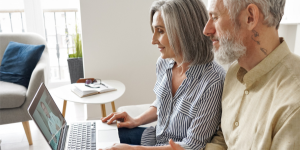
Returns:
(49, 123)
(53, 121)
(189, 83)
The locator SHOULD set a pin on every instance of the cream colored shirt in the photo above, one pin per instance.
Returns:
(261, 108)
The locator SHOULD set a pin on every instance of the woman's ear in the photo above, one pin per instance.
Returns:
(250, 16)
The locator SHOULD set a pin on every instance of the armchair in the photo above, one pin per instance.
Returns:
(15, 99)
(136, 110)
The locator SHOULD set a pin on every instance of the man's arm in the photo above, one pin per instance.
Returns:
(288, 136)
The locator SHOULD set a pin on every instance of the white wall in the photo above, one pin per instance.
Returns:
(288, 32)
(117, 45)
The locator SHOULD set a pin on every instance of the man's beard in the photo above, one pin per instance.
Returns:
(231, 48)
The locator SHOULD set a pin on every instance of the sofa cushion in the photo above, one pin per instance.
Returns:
(18, 62)
(11, 95)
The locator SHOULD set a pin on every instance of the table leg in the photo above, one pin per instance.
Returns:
(103, 110)
(64, 108)
(113, 106)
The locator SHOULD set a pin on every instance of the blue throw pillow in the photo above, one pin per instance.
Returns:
(19, 60)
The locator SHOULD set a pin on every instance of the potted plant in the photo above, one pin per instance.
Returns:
(75, 59)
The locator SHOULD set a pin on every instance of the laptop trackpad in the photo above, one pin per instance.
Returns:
(107, 138)
(110, 135)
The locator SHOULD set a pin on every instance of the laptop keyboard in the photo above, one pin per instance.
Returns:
(82, 136)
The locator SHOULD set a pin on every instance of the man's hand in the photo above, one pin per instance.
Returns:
(175, 146)
(125, 120)
(119, 147)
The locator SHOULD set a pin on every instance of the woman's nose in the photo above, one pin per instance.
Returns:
(154, 39)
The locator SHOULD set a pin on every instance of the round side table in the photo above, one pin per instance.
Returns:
(64, 92)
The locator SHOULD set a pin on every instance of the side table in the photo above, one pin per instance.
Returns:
(65, 93)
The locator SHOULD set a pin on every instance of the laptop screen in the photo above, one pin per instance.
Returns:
(47, 117)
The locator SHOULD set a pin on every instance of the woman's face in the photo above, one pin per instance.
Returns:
(160, 37)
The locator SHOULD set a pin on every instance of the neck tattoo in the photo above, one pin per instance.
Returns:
(256, 35)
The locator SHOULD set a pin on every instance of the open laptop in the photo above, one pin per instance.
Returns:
(87, 135)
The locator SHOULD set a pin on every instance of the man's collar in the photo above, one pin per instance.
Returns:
(266, 65)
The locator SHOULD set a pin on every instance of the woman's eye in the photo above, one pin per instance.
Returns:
(160, 31)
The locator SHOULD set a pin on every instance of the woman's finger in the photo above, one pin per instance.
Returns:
(123, 124)
(116, 117)
(107, 117)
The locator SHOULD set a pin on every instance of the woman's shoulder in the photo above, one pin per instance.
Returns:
(163, 64)
(212, 71)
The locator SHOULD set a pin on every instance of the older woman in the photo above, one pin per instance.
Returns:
(189, 83)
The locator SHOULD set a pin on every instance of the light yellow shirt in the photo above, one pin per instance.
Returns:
(261, 108)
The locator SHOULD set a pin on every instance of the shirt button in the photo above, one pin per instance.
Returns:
(236, 123)
(246, 92)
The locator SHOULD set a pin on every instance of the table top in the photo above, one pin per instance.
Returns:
(64, 92)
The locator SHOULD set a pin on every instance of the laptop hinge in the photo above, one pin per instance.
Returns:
(63, 138)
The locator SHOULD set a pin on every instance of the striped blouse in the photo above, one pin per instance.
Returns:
(192, 116)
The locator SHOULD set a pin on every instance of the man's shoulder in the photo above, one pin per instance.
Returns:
(291, 63)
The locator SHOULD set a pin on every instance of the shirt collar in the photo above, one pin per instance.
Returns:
(266, 65)
(193, 72)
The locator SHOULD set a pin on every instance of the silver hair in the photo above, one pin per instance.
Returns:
(272, 10)
(184, 23)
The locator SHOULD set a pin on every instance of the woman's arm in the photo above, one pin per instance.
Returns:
(129, 122)
(148, 116)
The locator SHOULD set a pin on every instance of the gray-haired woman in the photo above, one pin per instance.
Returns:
(189, 83)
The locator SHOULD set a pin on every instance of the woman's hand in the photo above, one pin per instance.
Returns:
(119, 147)
(175, 146)
(125, 120)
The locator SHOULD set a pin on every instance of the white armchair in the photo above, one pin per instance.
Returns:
(136, 110)
(14, 98)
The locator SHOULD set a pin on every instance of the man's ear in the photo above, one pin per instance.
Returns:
(250, 16)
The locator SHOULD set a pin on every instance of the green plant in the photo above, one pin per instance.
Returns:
(77, 49)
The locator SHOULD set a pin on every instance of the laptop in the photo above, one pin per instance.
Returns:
(60, 135)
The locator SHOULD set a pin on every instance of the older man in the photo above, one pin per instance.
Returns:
(261, 96)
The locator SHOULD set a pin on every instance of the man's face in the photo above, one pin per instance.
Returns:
(224, 33)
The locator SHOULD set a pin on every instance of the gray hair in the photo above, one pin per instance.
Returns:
(184, 23)
(272, 10)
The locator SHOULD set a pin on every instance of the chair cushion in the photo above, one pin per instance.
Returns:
(11, 95)
(18, 62)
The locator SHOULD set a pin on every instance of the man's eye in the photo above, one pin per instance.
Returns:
(214, 18)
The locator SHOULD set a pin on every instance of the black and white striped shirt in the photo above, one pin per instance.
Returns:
(192, 116)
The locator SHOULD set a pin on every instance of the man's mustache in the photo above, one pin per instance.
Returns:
(214, 38)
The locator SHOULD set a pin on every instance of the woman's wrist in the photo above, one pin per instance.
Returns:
(137, 121)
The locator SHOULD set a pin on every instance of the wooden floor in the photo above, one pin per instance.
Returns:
(13, 135)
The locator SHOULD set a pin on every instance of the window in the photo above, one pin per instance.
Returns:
(60, 18)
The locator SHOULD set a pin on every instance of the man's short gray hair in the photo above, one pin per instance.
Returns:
(272, 10)
(184, 23)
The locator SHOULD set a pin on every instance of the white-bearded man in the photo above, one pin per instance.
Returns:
(261, 96)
